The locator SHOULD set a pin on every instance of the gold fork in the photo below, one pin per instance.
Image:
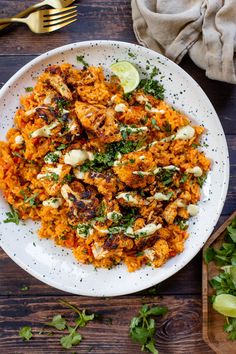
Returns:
(56, 4)
(45, 21)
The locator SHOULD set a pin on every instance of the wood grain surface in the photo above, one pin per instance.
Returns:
(180, 331)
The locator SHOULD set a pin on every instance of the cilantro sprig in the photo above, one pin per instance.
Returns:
(143, 327)
(26, 333)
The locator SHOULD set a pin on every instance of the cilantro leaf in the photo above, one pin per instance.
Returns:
(74, 338)
(152, 87)
(12, 216)
(57, 322)
(26, 333)
(31, 199)
(29, 89)
(142, 328)
(80, 58)
(230, 328)
(209, 255)
(232, 230)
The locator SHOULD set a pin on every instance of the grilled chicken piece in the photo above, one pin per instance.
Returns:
(135, 169)
(100, 122)
(106, 184)
(82, 205)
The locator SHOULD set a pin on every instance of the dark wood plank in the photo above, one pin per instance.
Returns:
(99, 19)
(13, 278)
(179, 332)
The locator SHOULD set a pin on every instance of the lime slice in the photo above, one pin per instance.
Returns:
(225, 304)
(128, 75)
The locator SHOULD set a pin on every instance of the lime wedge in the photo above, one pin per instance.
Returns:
(128, 75)
(225, 304)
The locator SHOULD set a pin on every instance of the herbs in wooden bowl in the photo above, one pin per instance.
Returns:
(219, 288)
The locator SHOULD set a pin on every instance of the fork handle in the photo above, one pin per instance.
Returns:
(21, 14)
(12, 19)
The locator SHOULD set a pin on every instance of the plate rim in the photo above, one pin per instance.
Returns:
(226, 173)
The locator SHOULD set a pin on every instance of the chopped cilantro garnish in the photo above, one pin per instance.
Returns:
(154, 72)
(152, 87)
(12, 216)
(51, 157)
(167, 127)
(201, 180)
(26, 333)
(29, 89)
(184, 178)
(31, 199)
(62, 147)
(131, 55)
(80, 58)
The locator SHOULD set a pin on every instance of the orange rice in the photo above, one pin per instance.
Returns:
(113, 178)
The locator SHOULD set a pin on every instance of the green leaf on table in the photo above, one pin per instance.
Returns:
(151, 347)
(143, 327)
(157, 311)
(74, 338)
(57, 322)
(26, 333)
(83, 318)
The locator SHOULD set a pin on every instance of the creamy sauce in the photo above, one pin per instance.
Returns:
(98, 252)
(196, 171)
(142, 173)
(184, 133)
(77, 157)
(162, 197)
(53, 202)
(131, 130)
(179, 203)
(141, 99)
(19, 140)
(49, 158)
(128, 197)
(192, 209)
(147, 230)
(120, 107)
(149, 253)
(154, 110)
(44, 131)
(79, 174)
(57, 170)
(114, 215)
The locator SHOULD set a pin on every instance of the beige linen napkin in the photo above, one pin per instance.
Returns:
(206, 29)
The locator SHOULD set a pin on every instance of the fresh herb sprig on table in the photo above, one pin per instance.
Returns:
(143, 327)
(225, 282)
(58, 322)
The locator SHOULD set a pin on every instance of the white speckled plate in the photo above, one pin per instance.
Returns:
(56, 266)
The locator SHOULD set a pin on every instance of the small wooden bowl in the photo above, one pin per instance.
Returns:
(213, 322)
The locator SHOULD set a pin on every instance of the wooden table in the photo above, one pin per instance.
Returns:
(181, 331)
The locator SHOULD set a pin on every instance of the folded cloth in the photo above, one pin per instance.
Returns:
(205, 29)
